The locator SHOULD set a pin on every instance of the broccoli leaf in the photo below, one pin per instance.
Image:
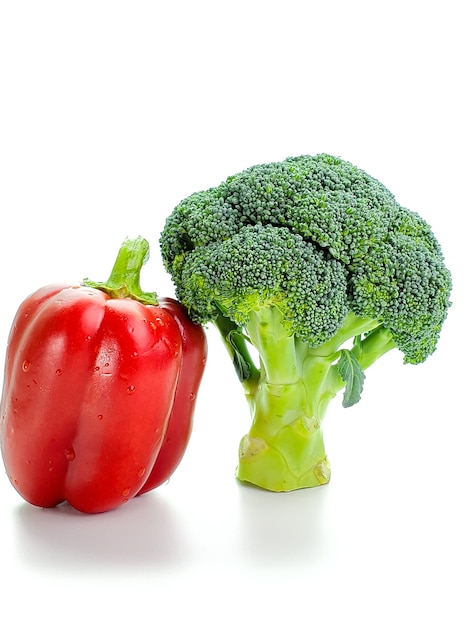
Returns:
(242, 366)
(352, 374)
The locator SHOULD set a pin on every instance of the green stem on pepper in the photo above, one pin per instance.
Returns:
(124, 280)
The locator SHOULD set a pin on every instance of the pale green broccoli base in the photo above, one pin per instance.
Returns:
(284, 448)
(290, 391)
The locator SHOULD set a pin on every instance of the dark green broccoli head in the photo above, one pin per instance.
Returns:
(316, 237)
(267, 266)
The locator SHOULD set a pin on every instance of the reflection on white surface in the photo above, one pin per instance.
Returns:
(145, 534)
(285, 530)
(150, 533)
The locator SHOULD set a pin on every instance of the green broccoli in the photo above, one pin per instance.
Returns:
(311, 271)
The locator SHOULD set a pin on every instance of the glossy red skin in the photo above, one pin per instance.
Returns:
(181, 419)
(89, 386)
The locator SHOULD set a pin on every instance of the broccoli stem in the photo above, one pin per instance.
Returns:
(374, 345)
(289, 394)
(284, 447)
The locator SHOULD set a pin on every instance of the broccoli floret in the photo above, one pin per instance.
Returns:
(311, 270)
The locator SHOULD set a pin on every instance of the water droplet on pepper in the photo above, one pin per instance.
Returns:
(69, 454)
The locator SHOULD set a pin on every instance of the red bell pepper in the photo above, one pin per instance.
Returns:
(99, 389)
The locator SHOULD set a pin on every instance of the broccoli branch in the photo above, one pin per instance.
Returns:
(290, 390)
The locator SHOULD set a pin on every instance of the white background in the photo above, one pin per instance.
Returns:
(110, 114)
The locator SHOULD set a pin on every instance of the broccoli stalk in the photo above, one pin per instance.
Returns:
(289, 393)
(311, 271)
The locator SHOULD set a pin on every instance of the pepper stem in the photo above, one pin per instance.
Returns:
(124, 280)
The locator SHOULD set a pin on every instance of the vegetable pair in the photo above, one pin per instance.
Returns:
(99, 389)
(310, 270)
